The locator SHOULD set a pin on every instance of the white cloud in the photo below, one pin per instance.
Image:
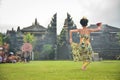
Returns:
(23, 12)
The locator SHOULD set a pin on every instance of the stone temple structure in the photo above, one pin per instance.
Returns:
(64, 49)
(105, 42)
(43, 36)
(49, 45)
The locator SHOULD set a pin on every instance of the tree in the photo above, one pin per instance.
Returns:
(1, 39)
(29, 38)
(47, 52)
(62, 38)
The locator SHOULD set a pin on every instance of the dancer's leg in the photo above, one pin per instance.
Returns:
(85, 64)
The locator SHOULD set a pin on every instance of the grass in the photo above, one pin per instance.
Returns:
(60, 70)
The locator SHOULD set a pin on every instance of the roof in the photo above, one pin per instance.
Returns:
(11, 31)
(35, 27)
(106, 28)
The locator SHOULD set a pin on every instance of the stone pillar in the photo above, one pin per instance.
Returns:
(96, 56)
(55, 48)
(32, 56)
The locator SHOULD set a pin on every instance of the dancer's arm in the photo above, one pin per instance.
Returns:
(99, 27)
(71, 31)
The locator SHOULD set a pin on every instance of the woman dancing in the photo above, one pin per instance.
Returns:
(83, 49)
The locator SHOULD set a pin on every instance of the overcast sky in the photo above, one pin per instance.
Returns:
(23, 12)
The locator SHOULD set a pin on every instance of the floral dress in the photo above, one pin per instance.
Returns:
(82, 50)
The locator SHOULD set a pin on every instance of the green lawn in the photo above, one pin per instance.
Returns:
(60, 70)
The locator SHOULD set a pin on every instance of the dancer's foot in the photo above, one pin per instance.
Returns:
(83, 68)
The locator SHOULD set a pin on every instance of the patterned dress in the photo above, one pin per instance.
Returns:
(83, 50)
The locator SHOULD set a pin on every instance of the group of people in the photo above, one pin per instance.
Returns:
(83, 50)
(11, 57)
(4, 53)
(6, 56)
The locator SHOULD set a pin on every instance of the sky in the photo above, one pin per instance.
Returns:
(14, 13)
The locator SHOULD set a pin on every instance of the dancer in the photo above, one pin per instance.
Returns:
(84, 49)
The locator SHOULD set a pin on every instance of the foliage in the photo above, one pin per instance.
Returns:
(1, 39)
(60, 70)
(62, 37)
(29, 38)
(47, 48)
(47, 51)
(36, 55)
(6, 39)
